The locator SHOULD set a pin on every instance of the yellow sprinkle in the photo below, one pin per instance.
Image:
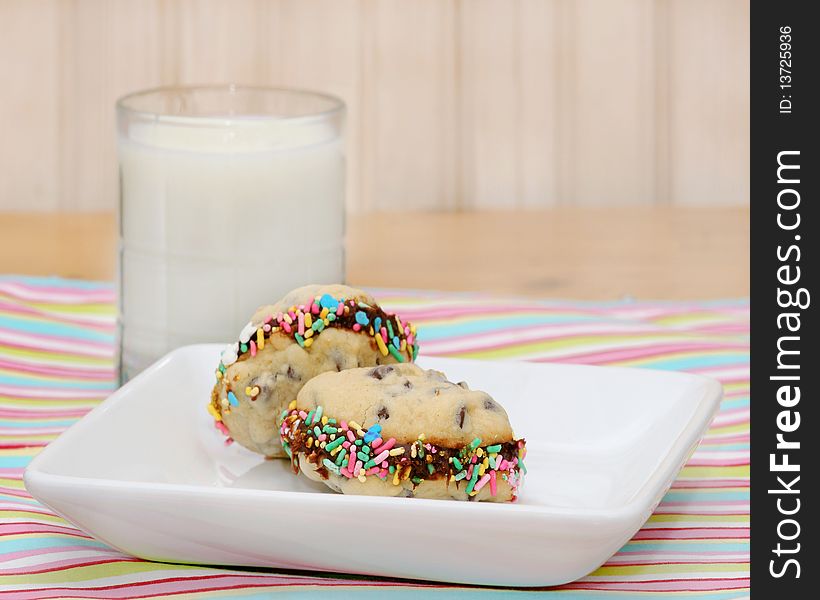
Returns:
(324, 420)
(360, 432)
(248, 391)
(452, 478)
(479, 452)
(371, 330)
(486, 463)
(422, 437)
(327, 322)
(428, 457)
(308, 333)
(308, 320)
(382, 347)
(323, 314)
(292, 405)
(362, 477)
(396, 477)
(406, 473)
(398, 322)
(214, 413)
(274, 329)
(308, 342)
(353, 425)
(403, 346)
(309, 442)
(218, 374)
(481, 469)
(413, 329)
(347, 309)
(396, 451)
(287, 318)
(321, 444)
(260, 338)
(413, 451)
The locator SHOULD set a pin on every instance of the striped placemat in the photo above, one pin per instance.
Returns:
(56, 363)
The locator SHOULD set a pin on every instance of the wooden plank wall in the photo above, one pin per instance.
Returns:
(453, 104)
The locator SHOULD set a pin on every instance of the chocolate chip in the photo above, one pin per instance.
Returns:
(463, 384)
(490, 404)
(292, 374)
(381, 371)
(383, 413)
(408, 385)
(461, 414)
(338, 366)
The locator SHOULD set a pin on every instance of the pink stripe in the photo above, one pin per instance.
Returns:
(662, 585)
(108, 325)
(32, 527)
(53, 295)
(54, 550)
(102, 374)
(67, 563)
(694, 533)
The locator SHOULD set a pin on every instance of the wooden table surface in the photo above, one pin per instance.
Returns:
(576, 253)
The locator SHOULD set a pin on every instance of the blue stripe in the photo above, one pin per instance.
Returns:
(475, 326)
(58, 282)
(697, 361)
(24, 381)
(56, 329)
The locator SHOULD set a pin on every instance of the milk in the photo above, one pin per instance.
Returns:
(218, 217)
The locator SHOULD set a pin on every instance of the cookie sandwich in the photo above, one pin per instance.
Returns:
(312, 330)
(398, 430)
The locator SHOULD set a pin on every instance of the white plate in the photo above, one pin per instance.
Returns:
(146, 472)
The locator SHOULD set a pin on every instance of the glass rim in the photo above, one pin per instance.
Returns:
(337, 105)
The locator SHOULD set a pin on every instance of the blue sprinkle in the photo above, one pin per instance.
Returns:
(361, 318)
(329, 302)
(396, 341)
(232, 399)
(377, 324)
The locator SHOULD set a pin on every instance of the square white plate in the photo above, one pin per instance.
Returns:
(147, 473)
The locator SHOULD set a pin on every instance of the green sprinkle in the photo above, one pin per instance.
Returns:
(417, 480)
(473, 480)
(331, 467)
(331, 317)
(370, 463)
(341, 456)
(365, 448)
(335, 443)
(286, 446)
(522, 466)
(461, 475)
(358, 442)
(329, 429)
(362, 456)
(283, 415)
(421, 450)
(389, 329)
(319, 410)
(316, 431)
(391, 469)
(431, 468)
(492, 462)
(475, 443)
(309, 418)
(318, 325)
(415, 351)
(504, 477)
(222, 368)
(392, 349)
(243, 347)
(457, 464)
(331, 421)
(494, 448)
(299, 339)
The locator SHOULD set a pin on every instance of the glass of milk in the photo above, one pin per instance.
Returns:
(229, 197)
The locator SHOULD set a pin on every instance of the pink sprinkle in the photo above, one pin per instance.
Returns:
(384, 334)
(343, 425)
(482, 482)
(266, 327)
(372, 470)
(433, 450)
(356, 327)
(410, 339)
(268, 319)
(381, 456)
(314, 308)
(384, 464)
(345, 472)
(351, 462)
(389, 444)
(376, 443)
(383, 473)
(221, 426)
(286, 327)
(301, 324)
(229, 441)
(474, 459)
(427, 445)
(322, 437)
(340, 310)
(292, 314)
(303, 414)
(302, 307)
(358, 466)
(493, 488)
(253, 348)
(346, 444)
(501, 465)
(280, 317)
(351, 436)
